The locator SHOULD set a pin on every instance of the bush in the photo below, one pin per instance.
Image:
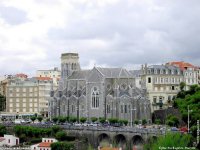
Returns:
(35, 140)
(72, 119)
(83, 119)
(55, 129)
(62, 146)
(144, 121)
(94, 119)
(33, 118)
(61, 136)
(39, 118)
(3, 130)
(102, 120)
(62, 119)
(55, 119)
(169, 140)
(136, 122)
(158, 121)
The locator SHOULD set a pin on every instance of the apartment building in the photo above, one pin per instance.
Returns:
(162, 84)
(28, 96)
(190, 72)
(52, 73)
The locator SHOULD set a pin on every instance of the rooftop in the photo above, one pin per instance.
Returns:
(44, 144)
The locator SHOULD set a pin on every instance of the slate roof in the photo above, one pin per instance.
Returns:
(83, 74)
(136, 73)
(163, 67)
(114, 72)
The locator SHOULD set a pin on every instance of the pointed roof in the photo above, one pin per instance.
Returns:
(82, 74)
(114, 72)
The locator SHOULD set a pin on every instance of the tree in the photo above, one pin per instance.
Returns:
(172, 120)
(169, 140)
(158, 121)
(83, 119)
(72, 119)
(3, 130)
(102, 120)
(113, 120)
(61, 135)
(39, 118)
(33, 118)
(62, 119)
(94, 119)
(136, 122)
(125, 122)
(55, 119)
(62, 146)
(55, 129)
(182, 85)
(144, 121)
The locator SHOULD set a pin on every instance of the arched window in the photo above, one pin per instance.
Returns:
(95, 98)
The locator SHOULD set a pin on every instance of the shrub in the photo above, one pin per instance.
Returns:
(3, 130)
(83, 119)
(62, 146)
(93, 119)
(61, 135)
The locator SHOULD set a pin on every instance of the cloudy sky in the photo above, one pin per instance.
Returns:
(113, 33)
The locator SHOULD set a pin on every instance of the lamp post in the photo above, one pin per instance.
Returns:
(132, 116)
(189, 119)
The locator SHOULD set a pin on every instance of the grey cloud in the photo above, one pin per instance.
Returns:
(12, 15)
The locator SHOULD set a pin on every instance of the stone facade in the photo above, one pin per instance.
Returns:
(162, 84)
(99, 92)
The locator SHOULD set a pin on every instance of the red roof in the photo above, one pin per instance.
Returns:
(44, 144)
(2, 139)
(21, 75)
(182, 65)
(43, 78)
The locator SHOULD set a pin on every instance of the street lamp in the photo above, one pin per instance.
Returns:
(132, 116)
(189, 119)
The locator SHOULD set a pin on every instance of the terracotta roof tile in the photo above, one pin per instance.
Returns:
(43, 78)
(182, 65)
(44, 144)
(21, 75)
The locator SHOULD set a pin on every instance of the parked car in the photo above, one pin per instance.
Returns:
(174, 129)
(183, 129)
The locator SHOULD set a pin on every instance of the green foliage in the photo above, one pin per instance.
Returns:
(62, 119)
(172, 120)
(62, 146)
(158, 121)
(31, 131)
(136, 122)
(61, 135)
(39, 118)
(72, 119)
(144, 121)
(55, 119)
(169, 140)
(182, 85)
(125, 122)
(113, 120)
(55, 129)
(3, 130)
(191, 99)
(102, 120)
(33, 118)
(83, 119)
(94, 119)
(35, 140)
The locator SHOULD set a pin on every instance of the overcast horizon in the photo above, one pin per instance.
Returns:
(106, 33)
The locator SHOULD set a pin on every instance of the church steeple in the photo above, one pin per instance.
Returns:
(69, 64)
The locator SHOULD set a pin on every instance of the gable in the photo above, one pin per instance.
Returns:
(95, 76)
